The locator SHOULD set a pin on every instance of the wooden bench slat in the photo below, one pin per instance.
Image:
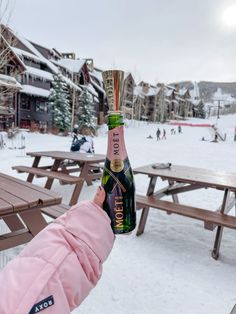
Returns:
(26, 195)
(50, 174)
(14, 238)
(13, 180)
(13, 200)
(184, 210)
(96, 165)
(5, 207)
(55, 211)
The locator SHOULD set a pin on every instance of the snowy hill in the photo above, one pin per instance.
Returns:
(207, 89)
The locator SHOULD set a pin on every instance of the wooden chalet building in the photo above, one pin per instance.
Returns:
(149, 102)
(178, 102)
(10, 67)
(96, 81)
(183, 97)
(128, 100)
(32, 109)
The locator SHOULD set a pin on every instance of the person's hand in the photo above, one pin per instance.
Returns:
(99, 196)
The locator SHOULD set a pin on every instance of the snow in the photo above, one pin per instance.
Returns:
(152, 91)
(32, 90)
(94, 79)
(38, 54)
(27, 54)
(169, 268)
(9, 82)
(97, 73)
(91, 90)
(72, 65)
(224, 99)
(40, 73)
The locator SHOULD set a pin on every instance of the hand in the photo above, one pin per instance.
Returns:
(99, 196)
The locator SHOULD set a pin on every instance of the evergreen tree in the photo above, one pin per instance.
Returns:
(85, 116)
(59, 99)
(201, 110)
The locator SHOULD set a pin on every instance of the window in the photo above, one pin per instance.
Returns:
(25, 103)
(41, 106)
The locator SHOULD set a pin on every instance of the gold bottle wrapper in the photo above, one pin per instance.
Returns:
(114, 87)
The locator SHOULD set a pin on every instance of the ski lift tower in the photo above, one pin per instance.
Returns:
(218, 99)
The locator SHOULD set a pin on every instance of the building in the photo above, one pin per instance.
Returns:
(10, 67)
(32, 109)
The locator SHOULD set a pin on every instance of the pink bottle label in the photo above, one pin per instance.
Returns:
(116, 151)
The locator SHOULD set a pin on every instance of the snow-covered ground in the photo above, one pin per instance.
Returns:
(169, 268)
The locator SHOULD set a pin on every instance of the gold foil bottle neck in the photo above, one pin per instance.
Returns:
(114, 86)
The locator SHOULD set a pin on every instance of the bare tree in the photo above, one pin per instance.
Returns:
(10, 64)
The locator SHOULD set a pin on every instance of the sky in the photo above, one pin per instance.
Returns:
(156, 40)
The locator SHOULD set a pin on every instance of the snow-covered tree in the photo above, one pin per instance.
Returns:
(85, 116)
(59, 100)
(201, 110)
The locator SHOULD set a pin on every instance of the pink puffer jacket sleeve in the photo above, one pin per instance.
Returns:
(58, 268)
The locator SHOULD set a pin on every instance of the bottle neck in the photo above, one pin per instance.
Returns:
(115, 119)
(116, 144)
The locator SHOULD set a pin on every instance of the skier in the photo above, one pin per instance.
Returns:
(158, 133)
(179, 129)
(164, 135)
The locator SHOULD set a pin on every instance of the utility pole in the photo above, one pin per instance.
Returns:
(218, 109)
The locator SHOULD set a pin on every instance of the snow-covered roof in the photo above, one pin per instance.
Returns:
(153, 91)
(50, 64)
(170, 87)
(97, 86)
(126, 75)
(168, 92)
(38, 54)
(40, 73)
(180, 98)
(182, 91)
(96, 74)
(27, 54)
(91, 90)
(138, 91)
(9, 82)
(32, 90)
(71, 84)
(72, 65)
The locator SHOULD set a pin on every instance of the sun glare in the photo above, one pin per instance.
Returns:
(229, 16)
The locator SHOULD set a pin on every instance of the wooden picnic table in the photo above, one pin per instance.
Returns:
(20, 209)
(182, 179)
(82, 160)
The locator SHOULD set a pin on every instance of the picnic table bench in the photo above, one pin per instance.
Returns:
(20, 209)
(82, 162)
(66, 178)
(63, 165)
(183, 179)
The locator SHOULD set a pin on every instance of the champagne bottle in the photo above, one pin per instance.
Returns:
(118, 180)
